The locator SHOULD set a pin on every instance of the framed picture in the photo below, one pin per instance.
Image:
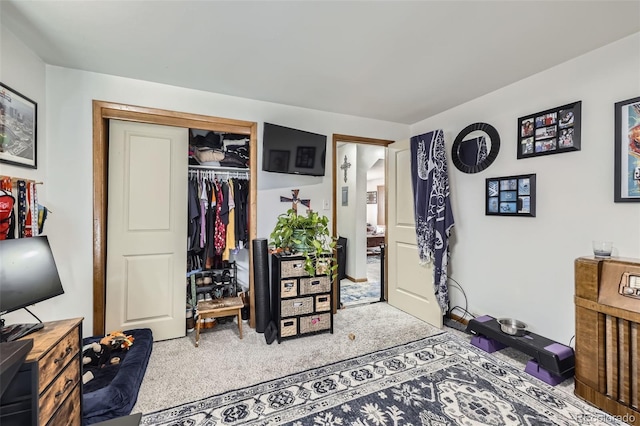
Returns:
(345, 195)
(627, 151)
(278, 160)
(511, 196)
(372, 197)
(305, 157)
(18, 135)
(551, 131)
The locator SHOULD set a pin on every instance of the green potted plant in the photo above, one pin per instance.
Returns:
(309, 236)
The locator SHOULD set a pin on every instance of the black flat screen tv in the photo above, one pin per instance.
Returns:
(28, 273)
(287, 150)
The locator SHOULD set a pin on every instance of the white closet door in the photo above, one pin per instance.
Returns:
(147, 228)
(410, 284)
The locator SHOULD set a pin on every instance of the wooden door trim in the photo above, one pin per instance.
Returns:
(334, 178)
(102, 113)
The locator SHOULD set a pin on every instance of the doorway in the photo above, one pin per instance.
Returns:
(359, 217)
(105, 111)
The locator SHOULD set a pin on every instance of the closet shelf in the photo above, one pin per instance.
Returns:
(220, 168)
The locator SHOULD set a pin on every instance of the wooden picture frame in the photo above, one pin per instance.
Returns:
(511, 196)
(18, 129)
(551, 131)
(627, 151)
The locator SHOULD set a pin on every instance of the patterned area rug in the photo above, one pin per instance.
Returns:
(440, 380)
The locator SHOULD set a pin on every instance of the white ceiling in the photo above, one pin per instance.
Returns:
(388, 60)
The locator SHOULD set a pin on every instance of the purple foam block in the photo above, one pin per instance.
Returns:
(546, 376)
(483, 318)
(561, 350)
(487, 344)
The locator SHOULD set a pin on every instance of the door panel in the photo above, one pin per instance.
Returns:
(147, 228)
(410, 284)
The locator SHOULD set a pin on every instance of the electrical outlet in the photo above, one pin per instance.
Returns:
(325, 204)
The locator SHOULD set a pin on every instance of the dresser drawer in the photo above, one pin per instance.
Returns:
(69, 414)
(323, 302)
(289, 288)
(315, 322)
(57, 358)
(299, 306)
(59, 390)
(311, 285)
(292, 268)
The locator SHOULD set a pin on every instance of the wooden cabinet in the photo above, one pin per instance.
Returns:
(47, 389)
(607, 348)
(300, 304)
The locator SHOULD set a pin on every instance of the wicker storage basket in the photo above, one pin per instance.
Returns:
(323, 303)
(315, 322)
(292, 268)
(288, 327)
(312, 285)
(299, 306)
(288, 288)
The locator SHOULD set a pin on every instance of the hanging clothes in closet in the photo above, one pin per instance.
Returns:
(218, 225)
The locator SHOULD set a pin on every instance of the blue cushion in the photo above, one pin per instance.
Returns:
(114, 389)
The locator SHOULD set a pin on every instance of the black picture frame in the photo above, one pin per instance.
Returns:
(19, 133)
(552, 131)
(511, 196)
(278, 160)
(372, 197)
(306, 157)
(627, 151)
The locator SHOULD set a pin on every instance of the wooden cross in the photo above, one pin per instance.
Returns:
(345, 166)
(295, 200)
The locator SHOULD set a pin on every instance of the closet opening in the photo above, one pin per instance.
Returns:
(103, 112)
(218, 228)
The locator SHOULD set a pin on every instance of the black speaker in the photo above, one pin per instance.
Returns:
(261, 283)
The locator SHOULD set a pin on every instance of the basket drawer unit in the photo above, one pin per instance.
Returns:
(301, 304)
(298, 306)
(288, 327)
(323, 302)
(313, 285)
(292, 268)
(289, 288)
(315, 322)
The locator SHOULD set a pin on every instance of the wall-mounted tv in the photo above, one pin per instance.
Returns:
(287, 150)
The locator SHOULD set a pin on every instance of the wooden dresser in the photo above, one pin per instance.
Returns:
(47, 389)
(607, 348)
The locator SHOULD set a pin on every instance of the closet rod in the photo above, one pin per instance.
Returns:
(220, 174)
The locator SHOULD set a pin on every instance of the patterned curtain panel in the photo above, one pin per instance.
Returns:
(432, 207)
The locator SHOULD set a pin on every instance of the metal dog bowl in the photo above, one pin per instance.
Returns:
(512, 326)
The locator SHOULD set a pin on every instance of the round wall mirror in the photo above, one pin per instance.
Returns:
(475, 147)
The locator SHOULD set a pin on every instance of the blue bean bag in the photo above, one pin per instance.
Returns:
(113, 391)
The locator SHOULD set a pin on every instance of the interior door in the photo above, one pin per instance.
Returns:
(147, 228)
(410, 285)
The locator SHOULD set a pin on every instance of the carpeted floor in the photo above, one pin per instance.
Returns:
(178, 373)
(438, 380)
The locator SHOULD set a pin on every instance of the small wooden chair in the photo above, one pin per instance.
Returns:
(218, 308)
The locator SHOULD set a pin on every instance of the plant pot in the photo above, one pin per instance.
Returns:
(302, 247)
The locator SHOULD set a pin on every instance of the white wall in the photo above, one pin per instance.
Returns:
(23, 71)
(524, 267)
(70, 93)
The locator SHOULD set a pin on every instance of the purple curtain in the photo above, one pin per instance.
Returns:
(432, 207)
